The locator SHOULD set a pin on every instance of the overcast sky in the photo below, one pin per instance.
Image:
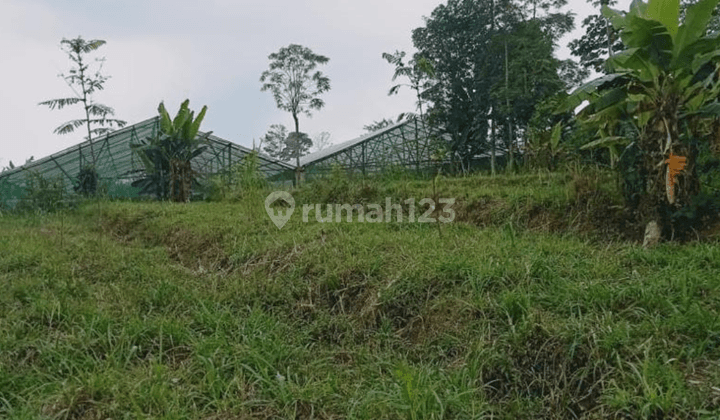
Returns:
(213, 53)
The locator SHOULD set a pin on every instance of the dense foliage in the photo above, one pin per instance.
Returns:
(660, 105)
(168, 155)
(493, 62)
(42, 194)
(599, 42)
(87, 183)
(280, 144)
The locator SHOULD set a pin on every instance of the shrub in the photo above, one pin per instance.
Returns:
(243, 181)
(87, 181)
(43, 194)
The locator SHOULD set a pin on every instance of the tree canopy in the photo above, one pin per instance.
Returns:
(660, 105)
(280, 144)
(493, 61)
(593, 48)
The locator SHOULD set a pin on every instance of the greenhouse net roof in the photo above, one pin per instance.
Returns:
(409, 144)
(118, 166)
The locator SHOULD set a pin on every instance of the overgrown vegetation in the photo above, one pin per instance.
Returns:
(208, 311)
(87, 184)
(536, 302)
(660, 105)
(43, 195)
(244, 181)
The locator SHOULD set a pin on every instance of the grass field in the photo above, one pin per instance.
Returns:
(523, 308)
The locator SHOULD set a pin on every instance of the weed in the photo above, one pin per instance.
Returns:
(207, 310)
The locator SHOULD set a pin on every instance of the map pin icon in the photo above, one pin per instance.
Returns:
(279, 216)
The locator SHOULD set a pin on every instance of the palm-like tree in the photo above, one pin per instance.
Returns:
(664, 88)
(84, 85)
(168, 156)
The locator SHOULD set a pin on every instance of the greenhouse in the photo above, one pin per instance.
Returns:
(410, 145)
(118, 166)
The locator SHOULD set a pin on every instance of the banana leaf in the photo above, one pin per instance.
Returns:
(606, 142)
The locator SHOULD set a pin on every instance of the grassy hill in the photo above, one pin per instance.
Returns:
(532, 304)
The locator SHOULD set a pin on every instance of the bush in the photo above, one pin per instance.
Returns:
(396, 172)
(243, 181)
(44, 194)
(87, 181)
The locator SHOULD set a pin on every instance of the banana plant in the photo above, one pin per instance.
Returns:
(543, 147)
(665, 86)
(168, 156)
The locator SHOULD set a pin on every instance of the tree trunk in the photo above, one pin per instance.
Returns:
(652, 234)
(663, 196)
(174, 180)
(187, 177)
(181, 176)
(511, 159)
(492, 145)
(297, 149)
(425, 133)
(417, 149)
(85, 105)
(608, 31)
(492, 132)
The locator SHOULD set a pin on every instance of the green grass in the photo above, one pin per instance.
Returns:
(208, 311)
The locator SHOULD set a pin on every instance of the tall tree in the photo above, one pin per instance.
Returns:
(454, 39)
(419, 73)
(295, 84)
(528, 32)
(84, 84)
(493, 61)
(599, 42)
